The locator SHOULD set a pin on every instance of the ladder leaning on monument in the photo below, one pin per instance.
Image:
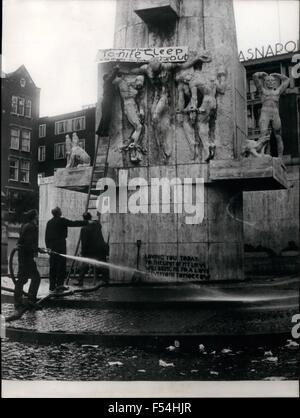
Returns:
(92, 184)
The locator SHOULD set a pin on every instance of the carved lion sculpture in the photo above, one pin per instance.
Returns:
(78, 157)
(255, 148)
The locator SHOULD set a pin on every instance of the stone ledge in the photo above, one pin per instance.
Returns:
(265, 173)
(76, 179)
(151, 11)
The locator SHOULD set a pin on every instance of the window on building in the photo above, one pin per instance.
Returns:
(78, 124)
(42, 153)
(69, 125)
(28, 108)
(13, 169)
(60, 127)
(14, 138)
(60, 151)
(12, 196)
(24, 171)
(42, 131)
(21, 106)
(14, 105)
(25, 141)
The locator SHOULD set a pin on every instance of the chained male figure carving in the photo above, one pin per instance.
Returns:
(270, 87)
(159, 75)
(186, 118)
(129, 92)
(203, 115)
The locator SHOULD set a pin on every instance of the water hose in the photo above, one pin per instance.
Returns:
(11, 265)
(11, 272)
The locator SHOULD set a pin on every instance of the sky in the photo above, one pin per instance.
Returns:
(57, 41)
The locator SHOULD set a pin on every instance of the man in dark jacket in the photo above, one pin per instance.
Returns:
(27, 250)
(55, 238)
(92, 246)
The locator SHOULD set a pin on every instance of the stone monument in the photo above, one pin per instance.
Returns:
(178, 119)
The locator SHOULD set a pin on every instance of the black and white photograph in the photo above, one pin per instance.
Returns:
(150, 201)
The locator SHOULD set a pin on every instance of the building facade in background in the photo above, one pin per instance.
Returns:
(52, 133)
(19, 167)
(20, 114)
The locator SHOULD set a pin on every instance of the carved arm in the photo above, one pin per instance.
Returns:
(285, 81)
(258, 80)
(203, 57)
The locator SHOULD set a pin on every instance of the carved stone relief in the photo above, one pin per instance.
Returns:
(254, 148)
(270, 87)
(131, 93)
(195, 108)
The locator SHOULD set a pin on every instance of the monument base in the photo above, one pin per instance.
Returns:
(264, 173)
(75, 179)
(167, 246)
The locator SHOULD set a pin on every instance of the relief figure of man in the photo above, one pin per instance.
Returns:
(270, 91)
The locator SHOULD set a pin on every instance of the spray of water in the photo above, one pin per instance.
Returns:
(211, 294)
(98, 263)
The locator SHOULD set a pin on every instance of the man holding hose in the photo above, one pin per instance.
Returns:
(27, 251)
(55, 238)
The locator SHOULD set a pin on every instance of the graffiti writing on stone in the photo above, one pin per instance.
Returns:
(180, 267)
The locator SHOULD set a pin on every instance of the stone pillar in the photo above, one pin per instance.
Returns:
(213, 249)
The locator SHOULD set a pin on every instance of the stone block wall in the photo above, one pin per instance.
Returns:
(271, 228)
(72, 205)
(271, 218)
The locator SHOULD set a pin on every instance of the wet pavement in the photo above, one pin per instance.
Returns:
(147, 320)
(84, 362)
(261, 306)
(259, 289)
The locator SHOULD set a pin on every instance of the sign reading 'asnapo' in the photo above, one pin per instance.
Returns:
(266, 51)
(166, 54)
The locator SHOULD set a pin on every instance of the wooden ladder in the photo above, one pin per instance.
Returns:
(91, 201)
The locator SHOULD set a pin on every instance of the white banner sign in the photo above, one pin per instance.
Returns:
(166, 54)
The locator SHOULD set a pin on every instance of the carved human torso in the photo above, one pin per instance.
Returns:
(270, 97)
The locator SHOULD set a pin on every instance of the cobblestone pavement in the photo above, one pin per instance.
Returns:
(158, 321)
(80, 362)
(106, 320)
